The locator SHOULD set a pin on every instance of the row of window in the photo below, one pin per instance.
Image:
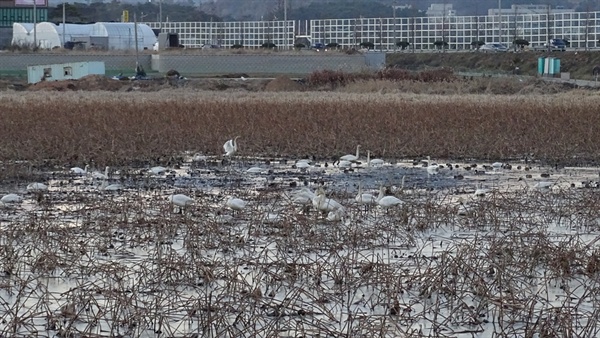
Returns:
(579, 28)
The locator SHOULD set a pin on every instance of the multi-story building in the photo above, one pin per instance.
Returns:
(251, 34)
(582, 29)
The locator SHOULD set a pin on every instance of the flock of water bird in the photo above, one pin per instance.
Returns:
(305, 197)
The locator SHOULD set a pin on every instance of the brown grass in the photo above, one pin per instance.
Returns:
(73, 128)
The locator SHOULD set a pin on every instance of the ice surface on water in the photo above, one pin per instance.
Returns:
(109, 263)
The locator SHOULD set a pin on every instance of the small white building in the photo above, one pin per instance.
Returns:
(64, 71)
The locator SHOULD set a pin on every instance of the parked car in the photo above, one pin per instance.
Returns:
(552, 45)
(493, 48)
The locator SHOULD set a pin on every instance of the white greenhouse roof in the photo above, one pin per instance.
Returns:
(121, 35)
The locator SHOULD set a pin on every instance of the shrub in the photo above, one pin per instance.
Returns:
(521, 42)
(367, 45)
(332, 45)
(403, 44)
(440, 44)
(269, 45)
(237, 46)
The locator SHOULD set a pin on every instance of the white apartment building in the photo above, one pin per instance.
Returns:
(226, 34)
(580, 28)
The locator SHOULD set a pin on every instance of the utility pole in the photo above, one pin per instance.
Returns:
(394, 40)
(587, 25)
(444, 27)
(548, 33)
(160, 22)
(64, 16)
(34, 25)
(135, 37)
(499, 21)
(285, 23)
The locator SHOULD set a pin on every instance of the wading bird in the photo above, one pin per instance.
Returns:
(365, 199)
(324, 204)
(387, 201)
(11, 198)
(230, 147)
(181, 201)
(37, 187)
(351, 158)
(79, 171)
(235, 204)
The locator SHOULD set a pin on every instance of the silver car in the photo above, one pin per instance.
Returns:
(493, 48)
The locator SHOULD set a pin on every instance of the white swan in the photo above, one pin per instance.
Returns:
(235, 203)
(302, 197)
(231, 147)
(481, 191)
(79, 171)
(497, 165)
(351, 158)
(302, 164)
(180, 200)
(365, 199)
(110, 187)
(254, 170)
(11, 198)
(158, 170)
(376, 162)
(432, 167)
(101, 176)
(336, 215)
(322, 203)
(387, 201)
(37, 187)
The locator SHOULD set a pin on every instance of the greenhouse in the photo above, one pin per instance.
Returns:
(121, 35)
(101, 35)
(22, 34)
(49, 35)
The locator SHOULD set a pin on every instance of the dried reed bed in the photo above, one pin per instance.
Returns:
(121, 128)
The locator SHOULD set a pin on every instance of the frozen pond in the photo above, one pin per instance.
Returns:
(472, 250)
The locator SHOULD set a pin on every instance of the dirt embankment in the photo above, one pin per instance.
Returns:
(579, 64)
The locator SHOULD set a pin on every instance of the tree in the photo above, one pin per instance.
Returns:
(477, 44)
(269, 45)
(367, 45)
(403, 44)
(439, 44)
(521, 43)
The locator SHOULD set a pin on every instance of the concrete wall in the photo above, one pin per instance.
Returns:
(264, 64)
(18, 61)
(206, 65)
